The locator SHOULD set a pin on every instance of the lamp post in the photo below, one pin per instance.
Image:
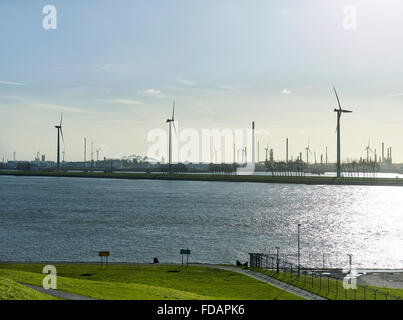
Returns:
(278, 262)
(299, 250)
(350, 258)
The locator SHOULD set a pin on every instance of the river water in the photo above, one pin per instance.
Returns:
(71, 219)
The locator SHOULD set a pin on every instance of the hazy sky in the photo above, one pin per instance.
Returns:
(114, 67)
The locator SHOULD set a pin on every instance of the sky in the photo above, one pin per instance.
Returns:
(114, 67)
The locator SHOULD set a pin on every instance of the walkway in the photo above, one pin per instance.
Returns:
(272, 281)
(58, 294)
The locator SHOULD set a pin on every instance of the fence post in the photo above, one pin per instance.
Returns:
(386, 295)
(291, 271)
(355, 294)
(320, 281)
(337, 288)
(375, 294)
(328, 283)
(305, 276)
(345, 293)
(312, 277)
(365, 293)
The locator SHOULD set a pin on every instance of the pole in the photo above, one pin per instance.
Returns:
(278, 262)
(58, 149)
(338, 146)
(253, 144)
(350, 258)
(170, 149)
(299, 250)
(85, 152)
(286, 150)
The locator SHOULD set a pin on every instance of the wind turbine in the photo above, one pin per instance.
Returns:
(97, 151)
(170, 123)
(339, 112)
(308, 151)
(59, 132)
(368, 149)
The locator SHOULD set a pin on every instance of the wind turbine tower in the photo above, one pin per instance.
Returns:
(368, 149)
(85, 152)
(253, 142)
(170, 123)
(308, 151)
(339, 113)
(92, 151)
(59, 132)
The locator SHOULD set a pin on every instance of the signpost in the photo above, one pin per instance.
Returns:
(187, 252)
(103, 254)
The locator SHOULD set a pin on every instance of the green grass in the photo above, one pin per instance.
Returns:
(144, 282)
(332, 289)
(210, 177)
(11, 290)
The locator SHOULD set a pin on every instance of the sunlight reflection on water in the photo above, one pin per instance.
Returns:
(72, 218)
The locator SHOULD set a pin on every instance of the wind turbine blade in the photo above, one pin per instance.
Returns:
(173, 123)
(61, 119)
(173, 112)
(337, 96)
(61, 133)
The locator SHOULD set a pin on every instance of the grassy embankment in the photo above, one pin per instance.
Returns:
(144, 282)
(11, 290)
(210, 177)
(332, 289)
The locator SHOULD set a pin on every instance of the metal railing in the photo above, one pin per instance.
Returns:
(329, 283)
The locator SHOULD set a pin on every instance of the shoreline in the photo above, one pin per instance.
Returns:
(307, 180)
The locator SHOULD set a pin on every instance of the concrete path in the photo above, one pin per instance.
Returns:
(57, 293)
(269, 280)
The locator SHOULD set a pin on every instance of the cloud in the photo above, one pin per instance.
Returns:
(399, 94)
(186, 82)
(117, 68)
(11, 83)
(153, 93)
(127, 101)
(286, 91)
(57, 107)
